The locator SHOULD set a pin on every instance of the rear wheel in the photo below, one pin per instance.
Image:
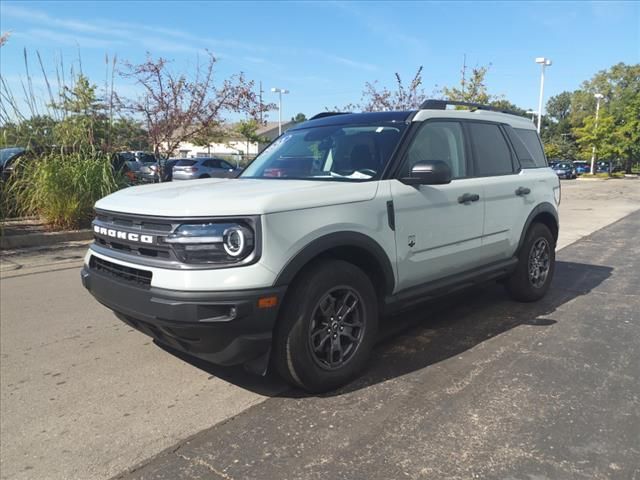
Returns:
(204, 176)
(327, 327)
(536, 265)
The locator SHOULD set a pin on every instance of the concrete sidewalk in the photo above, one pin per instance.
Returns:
(478, 387)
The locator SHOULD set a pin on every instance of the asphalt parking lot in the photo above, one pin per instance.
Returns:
(471, 386)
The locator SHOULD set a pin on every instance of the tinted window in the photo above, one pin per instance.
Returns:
(439, 141)
(225, 165)
(492, 154)
(185, 163)
(532, 142)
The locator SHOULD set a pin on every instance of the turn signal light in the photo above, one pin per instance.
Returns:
(267, 302)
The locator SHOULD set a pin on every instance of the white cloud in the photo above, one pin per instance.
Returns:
(106, 34)
(68, 39)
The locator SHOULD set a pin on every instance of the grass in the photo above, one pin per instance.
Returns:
(61, 188)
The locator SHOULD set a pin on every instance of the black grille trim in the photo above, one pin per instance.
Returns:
(130, 275)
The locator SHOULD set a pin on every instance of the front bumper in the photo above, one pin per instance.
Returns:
(226, 328)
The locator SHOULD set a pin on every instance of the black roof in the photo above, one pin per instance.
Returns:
(355, 118)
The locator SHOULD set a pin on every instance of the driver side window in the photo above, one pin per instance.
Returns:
(443, 141)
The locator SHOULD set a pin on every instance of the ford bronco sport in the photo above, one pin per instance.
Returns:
(342, 219)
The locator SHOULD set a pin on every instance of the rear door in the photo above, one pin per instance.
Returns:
(507, 190)
(437, 233)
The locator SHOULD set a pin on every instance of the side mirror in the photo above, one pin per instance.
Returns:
(432, 172)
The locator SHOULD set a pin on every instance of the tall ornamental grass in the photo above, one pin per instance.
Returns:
(61, 188)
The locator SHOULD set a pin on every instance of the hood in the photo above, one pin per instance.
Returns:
(212, 197)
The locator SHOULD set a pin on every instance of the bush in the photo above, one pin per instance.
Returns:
(61, 188)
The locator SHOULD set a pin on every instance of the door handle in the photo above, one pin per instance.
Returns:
(521, 191)
(467, 198)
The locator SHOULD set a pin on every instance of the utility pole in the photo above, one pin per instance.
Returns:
(261, 103)
(464, 73)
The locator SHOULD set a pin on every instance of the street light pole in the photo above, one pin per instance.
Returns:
(279, 91)
(544, 62)
(599, 97)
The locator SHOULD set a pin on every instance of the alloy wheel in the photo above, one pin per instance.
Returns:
(539, 262)
(337, 327)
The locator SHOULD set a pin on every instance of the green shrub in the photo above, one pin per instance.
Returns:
(61, 188)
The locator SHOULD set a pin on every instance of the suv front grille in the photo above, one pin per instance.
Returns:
(155, 227)
(130, 275)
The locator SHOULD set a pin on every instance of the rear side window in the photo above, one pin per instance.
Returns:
(532, 142)
(492, 153)
(185, 163)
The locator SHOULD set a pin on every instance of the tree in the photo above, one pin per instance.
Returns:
(559, 106)
(299, 118)
(618, 135)
(85, 121)
(4, 38)
(403, 97)
(248, 130)
(208, 134)
(178, 108)
(35, 132)
(630, 133)
(507, 106)
(128, 134)
(472, 90)
(606, 137)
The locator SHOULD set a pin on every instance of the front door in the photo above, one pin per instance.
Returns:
(438, 233)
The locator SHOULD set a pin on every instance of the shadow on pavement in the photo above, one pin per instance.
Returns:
(436, 330)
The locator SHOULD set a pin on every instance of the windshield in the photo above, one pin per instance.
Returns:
(337, 152)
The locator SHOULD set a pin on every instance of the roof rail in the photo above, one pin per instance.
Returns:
(327, 114)
(442, 105)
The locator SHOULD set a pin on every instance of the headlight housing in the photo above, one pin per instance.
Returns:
(215, 242)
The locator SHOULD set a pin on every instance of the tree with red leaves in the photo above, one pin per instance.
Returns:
(178, 108)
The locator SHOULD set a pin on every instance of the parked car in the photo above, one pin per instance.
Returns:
(7, 158)
(293, 270)
(581, 167)
(138, 162)
(148, 173)
(565, 170)
(606, 166)
(189, 169)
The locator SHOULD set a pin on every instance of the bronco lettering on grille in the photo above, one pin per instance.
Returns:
(132, 237)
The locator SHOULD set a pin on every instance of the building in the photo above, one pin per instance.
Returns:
(235, 147)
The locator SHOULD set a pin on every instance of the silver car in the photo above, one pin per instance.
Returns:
(191, 168)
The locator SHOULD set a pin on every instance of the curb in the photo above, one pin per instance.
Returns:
(43, 239)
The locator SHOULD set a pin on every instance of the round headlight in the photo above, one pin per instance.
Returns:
(233, 241)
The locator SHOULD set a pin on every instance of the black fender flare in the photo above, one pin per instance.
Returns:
(546, 208)
(335, 240)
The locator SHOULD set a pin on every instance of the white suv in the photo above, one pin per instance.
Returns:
(342, 219)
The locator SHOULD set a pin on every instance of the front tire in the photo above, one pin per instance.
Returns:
(536, 265)
(327, 327)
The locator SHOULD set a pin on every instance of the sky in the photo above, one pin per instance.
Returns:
(324, 52)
